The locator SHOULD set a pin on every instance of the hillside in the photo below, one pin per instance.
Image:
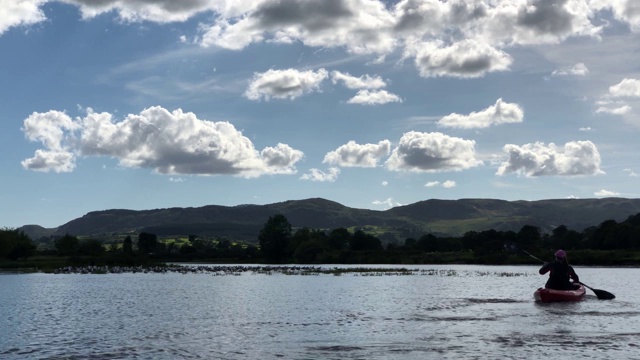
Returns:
(441, 217)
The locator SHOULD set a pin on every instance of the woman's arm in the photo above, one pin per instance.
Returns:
(545, 268)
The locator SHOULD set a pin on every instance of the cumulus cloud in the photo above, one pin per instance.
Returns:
(143, 10)
(384, 183)
(447, 184)
(369, 93)
(578, 69)
(605, 193)
(475, 31)
(51, 160)
(321, 176)
(362, 82)
(500, 113)
(352, 154)
(284, 84)
(432, 152)
(377, 97)
(537, 159)
(388, 203)
(16, 13)
(626, 88)
(359, 26)
(174, 142)
(619, 110)
(465, 59)
(281, 159)
(538, 22)
(627, 11)
(630, 172)
(54, 131)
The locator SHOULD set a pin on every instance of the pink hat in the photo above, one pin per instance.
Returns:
(561, 254)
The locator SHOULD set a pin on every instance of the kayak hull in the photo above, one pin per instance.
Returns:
(551, 295)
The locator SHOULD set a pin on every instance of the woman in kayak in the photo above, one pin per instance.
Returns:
(561, 273)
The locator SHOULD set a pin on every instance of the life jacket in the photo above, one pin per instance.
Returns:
(559, 276)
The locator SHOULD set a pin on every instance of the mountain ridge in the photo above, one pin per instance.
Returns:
(437, 216)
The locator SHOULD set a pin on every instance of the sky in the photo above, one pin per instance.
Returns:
(147, 104)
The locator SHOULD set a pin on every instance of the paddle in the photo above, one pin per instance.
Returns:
(601, 294)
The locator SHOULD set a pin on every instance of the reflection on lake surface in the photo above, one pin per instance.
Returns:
(438, 311)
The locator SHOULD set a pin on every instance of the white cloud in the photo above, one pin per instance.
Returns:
(51, 160)
(475, 30)
(500, 113)
(538, 159)
(281, 159)
(626, 88)
(284, 84)
(360, 26)
(605, 193)
(578, 69)
(447, 184)
(630, 172)
(465, 59)
(384, 183)
(377, 97)
(624, 10)
(621, 110)
(432, 152)
(588, 128)
(143, 10)
(362, 82)
(388, 203)
(23, 12)
(536, 22)
(176, 180)
(358, 155)
(53, 130)
(321, 176)
(168, 142)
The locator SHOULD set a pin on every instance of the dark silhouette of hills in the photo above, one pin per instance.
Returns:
(440, 217)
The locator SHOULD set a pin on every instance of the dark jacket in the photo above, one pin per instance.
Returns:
(561, 273)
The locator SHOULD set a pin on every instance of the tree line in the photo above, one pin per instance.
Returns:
(278, 242)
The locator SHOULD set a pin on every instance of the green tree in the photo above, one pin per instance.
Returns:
(363, 241)
(339, 238)
(299, 237)
(428, 243)
(147, 242)
(529, 237)
(91, 247)
(598, 238)
(67, 245)
(15, 244)
(127, 245)
(274, 238)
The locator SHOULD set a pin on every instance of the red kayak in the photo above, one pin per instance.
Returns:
(551, 295)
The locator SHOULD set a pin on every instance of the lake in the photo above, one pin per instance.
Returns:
(437, 312)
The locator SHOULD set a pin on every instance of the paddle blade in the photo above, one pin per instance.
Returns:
(603, 295)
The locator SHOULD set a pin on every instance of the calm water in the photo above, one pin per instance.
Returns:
(461, 312)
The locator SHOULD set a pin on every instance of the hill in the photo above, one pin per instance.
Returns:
(440, 217)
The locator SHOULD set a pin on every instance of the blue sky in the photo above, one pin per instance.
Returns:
(145, 104)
